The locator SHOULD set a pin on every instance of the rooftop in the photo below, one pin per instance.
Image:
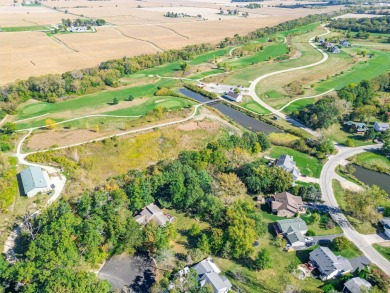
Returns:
(328, 262)
(355, 285)
(32, 177)
(292, 225)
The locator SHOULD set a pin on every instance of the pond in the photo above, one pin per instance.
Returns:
(239, 117)
(370, 177)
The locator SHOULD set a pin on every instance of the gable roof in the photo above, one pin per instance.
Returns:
(285, 201)
(32, 177)
(328, 262)
(232, 95)
(385, 222)
(208, 272)
(292, 225)
(382, 124)
(287, 163)
(355, 285)
(152, 212)
(295, 237)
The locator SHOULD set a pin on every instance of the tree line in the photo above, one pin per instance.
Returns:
(54, 87)
(373, 25)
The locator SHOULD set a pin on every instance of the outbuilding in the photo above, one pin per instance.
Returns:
(34, 180)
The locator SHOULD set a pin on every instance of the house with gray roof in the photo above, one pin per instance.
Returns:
(293, 230)
(328, 264)
(357, 285)
(34, 180)
(236, 97)
(151, 213)
(209, 273)
(386, 225)
(357, 126)
(287, 163)
(381, 127)
(284, 204)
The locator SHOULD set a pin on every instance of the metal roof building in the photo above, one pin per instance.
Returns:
(33, 181)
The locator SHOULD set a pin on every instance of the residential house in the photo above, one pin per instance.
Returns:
(344, 43)
(284, 204)
(386, 225)
(321, 40)
(293, 230)
(380, 126)
(328, 264)
(357, 285)
(287, 163)
(152, 212)
(34, 180)
(209, 273)
(357, 126)
(236, 97)
(335, 50)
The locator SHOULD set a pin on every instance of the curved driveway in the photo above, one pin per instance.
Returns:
(327, 175)
(252, 87)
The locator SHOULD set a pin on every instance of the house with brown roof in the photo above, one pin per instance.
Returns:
(285, 204)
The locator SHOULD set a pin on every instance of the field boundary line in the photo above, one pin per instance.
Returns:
(79, 118)
(172, 30)
(138, 39)
(303, 98)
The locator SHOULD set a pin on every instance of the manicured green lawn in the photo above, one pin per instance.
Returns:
(308, 165)
(25, 28)
(373, 161)
(320, 227)
(375, 66)
(255, 107)
(385, 251)
(205, 74)
(272, 51)
(148, 104)
(89, 101)
(298, 105)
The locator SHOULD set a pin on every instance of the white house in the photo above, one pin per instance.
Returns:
(236, 97)
(293, 230)
(382, 127)
(328, 264)
(34, 180)
(386, 225)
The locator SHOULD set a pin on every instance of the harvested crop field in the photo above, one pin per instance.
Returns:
(129, 31)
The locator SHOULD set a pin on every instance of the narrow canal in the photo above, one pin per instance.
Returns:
(239, 117)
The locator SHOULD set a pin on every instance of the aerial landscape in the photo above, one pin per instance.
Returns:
(194, 146)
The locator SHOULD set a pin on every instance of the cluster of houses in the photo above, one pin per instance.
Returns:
(361, 127)
(77, 29)
(331, 47)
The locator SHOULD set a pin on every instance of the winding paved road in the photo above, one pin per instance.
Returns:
(252, 87)
(327, 175)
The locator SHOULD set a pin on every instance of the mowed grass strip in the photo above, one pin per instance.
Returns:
(308, 165)
(170, 103)
(385, 251)
(25, 28)
(365, 70)
(86, 102)
(298, 105)
(255, 107)
(373, 161)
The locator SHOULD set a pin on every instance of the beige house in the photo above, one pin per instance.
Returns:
(285, 204)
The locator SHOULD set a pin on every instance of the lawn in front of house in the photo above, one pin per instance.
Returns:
(308, 165)
(384, 250)
(320, 227)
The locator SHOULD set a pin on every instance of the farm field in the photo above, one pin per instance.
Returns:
(130, 31)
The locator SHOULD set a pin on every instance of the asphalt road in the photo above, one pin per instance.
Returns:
(327, 175)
